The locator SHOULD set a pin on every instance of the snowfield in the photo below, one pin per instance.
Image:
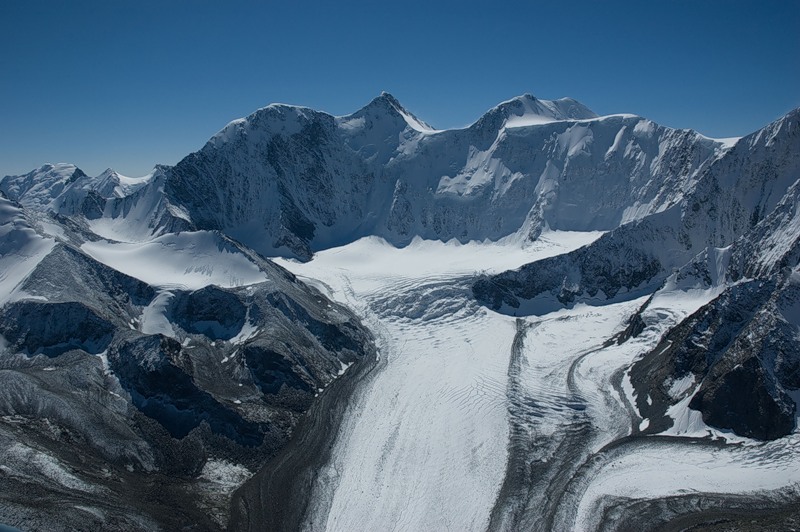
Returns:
(477, 420)
(424, 445)
(190, 260)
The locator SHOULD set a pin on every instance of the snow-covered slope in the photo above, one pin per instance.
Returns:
(41, 188)
(652, 275)
(291, 181)
(476, 420)
(755, 179)
(739, 353)
(21, 247)
(412, 452)
(304, 181)
(734, 232)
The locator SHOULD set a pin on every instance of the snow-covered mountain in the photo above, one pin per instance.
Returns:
(291, 181)
(674, 255)
(183, 362)
(734, 229)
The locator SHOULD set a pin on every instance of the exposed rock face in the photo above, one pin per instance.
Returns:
(152, 370)
(737, 356)
(710, 214)
(210, 311)
(66, 275)
(54, 328)
(741, 350)
(628, 261)
(744, 186)
(740, 400)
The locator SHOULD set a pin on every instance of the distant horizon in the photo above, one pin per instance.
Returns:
(129, 85)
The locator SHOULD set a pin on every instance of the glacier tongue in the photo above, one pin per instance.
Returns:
(423, 444)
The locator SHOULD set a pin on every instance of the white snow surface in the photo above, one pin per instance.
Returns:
(527, 110)
(423, 446)
(652, 473)
(374, 260)
(113, 184)
(154, 319)
(21, 249)
(39, 188)
(223, 475)
(189, 260)
(26, 461)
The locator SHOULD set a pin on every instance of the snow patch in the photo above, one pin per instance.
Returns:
(225, 476)
(248, 330)
(685, 421)
(678, 387)
(344, 368)
(31, 461)
(644, 128)
(154, 316)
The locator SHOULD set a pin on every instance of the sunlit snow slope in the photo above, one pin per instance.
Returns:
(424, 443)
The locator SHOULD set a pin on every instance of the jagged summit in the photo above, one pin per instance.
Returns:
(385, 107)
(107, 173)
(386, 98)
(391, 118)
(38, 188)
(520, 111)
(290, 180)
(383, 111)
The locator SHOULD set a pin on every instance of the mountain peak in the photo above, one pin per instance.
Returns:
(386, 106)
(384, 102)
(528, 110)
(107, 173)
(40, 187)
(387, 97)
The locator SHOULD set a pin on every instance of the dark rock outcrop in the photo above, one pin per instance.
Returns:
(84, 386)
(622, 264)
(53, 328)
(738, 355)
(210, 311)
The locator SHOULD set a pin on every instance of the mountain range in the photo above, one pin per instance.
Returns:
(157, 351)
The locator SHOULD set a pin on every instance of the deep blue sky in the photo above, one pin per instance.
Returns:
(131, 84)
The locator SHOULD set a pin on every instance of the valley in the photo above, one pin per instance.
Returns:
(546, 320)
(477, 420)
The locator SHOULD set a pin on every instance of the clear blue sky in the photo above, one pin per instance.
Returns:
(122, 84)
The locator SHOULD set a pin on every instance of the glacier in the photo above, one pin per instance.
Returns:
(546, 320)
